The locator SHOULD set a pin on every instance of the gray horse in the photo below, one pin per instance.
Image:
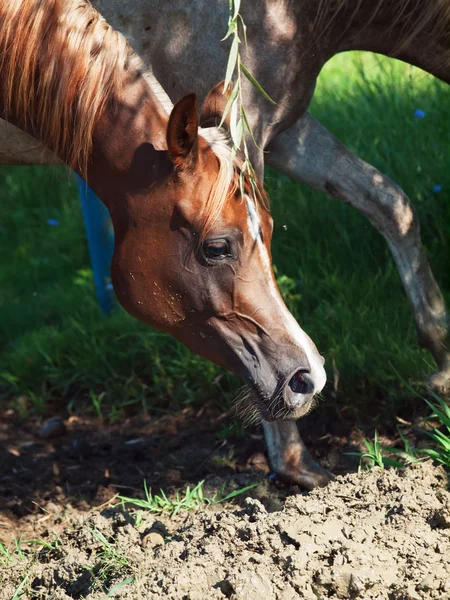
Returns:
(288, 43)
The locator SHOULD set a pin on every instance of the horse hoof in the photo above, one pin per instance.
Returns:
(307, 475)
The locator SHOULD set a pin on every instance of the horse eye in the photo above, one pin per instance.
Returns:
(216, 249)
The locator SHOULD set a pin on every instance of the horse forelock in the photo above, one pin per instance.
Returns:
(227, 181)
(225, 184)
(60, 64)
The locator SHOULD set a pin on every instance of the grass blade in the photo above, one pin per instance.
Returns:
(232, 495)
(18, 593)
(113, 591)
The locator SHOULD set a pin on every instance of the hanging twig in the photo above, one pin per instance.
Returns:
(239, 123)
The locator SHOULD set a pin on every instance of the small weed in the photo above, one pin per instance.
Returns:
(190, 500)
(378, 455)
(227, 460)
(18, 548)
(442, 438)
(6, 557)
(111, 560)
(96, 400)
(373, 457)
(441, 412)
(9, 558)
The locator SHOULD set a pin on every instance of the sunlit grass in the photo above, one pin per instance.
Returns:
(189, 499)
(441, 434)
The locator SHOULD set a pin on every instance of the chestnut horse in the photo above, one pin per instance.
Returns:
(192, 257)
(288, 43)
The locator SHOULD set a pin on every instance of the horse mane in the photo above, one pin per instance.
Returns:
(60, 64)
(413, 16)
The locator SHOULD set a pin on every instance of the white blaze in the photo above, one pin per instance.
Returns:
(317, 371)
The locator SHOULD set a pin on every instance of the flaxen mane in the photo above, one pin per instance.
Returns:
(60, 65)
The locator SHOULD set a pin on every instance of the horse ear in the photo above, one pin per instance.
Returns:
(215, 104)
(182, 133)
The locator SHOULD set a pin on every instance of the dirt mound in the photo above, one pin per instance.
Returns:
(375, 535)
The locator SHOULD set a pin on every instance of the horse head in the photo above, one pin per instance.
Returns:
(193, 259)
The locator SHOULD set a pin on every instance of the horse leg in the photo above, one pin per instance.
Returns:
(289, 457)
(311, 154)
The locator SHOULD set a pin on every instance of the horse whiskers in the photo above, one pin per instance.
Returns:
(246, 407)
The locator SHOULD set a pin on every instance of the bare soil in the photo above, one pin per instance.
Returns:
(370, 536)
(87, 462)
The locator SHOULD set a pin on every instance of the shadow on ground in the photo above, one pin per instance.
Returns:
(88, 462)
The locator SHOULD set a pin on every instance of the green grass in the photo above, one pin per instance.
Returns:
(190, 499)
(334, 269)
(377, 455)
(6, 556)
(111, 561)
(441, 434)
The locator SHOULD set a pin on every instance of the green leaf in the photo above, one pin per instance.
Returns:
(247, 125)
(232, 61)
(237, 5)
(231, 29)
(231, 99)
(255, 84)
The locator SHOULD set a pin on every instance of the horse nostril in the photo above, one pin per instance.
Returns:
(301, 383)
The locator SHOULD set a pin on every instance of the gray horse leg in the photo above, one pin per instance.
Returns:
(310, 153)
(289, 457)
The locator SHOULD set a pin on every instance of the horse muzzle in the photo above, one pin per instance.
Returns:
(285, 393)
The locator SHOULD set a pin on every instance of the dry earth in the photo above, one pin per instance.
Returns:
(370, 536)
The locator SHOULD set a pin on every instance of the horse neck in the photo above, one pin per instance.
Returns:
(129, 150)
(415, 31)
(73, 83)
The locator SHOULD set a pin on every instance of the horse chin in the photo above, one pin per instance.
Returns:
(253, 407)
(286, 414)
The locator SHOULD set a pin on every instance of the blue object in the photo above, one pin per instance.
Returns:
(419, 113)
(100, 237)
(437, 189)
(53, 222)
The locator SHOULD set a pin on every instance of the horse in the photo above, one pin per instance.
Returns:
(288, 44)
(192, 239)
